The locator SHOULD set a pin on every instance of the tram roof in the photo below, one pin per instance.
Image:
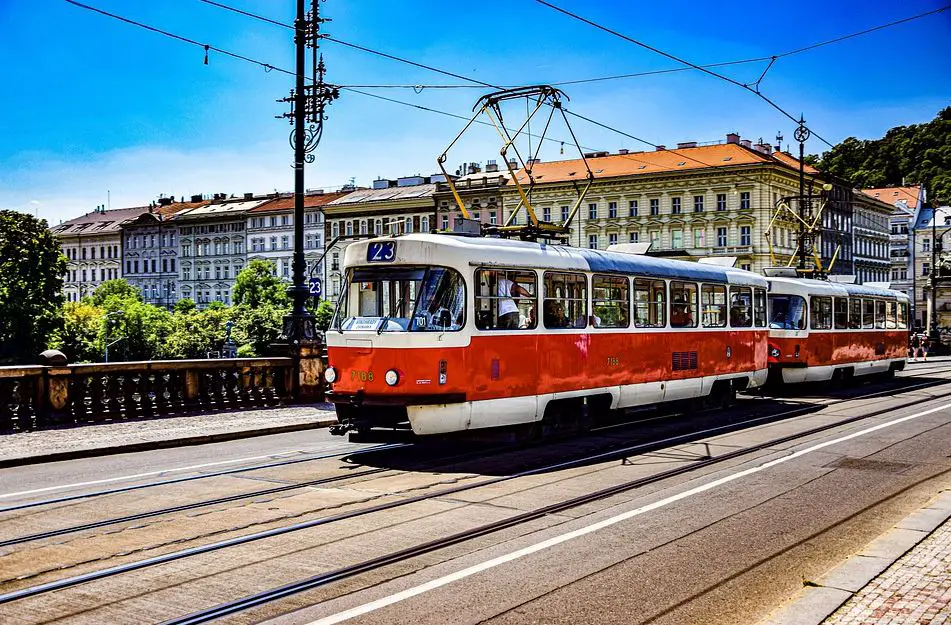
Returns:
(490, 251)
(808, 286)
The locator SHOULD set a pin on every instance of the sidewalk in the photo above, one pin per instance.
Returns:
(902, 577)
(143, 434)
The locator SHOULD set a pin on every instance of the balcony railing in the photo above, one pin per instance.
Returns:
(37, 397)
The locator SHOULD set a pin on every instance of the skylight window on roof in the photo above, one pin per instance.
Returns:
(598, 171)
(681, 163)
(643, 167)
(727, 158)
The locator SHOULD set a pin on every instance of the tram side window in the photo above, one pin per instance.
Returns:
(787, 312)
(759, 307)
(855, 313)
(505, 299)
(611, 301)
(820, 317)
(891, 315)
(868, 313)
(879, 314)
(566, 300)
(683, 305)
(713, 305)
(650, 303)
(741, 307)
(841, 313)
(902, 316)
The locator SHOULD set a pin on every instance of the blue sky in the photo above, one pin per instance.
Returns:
(100, 111)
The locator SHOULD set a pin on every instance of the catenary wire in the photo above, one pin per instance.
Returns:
(269, 67)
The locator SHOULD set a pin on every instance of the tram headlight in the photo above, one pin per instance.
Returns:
(330, 375)
(774, 352)
(392, 377)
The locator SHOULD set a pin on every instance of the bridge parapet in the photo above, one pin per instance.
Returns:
(38, 397)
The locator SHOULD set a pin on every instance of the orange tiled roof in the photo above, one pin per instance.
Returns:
(310, 201)
(681, 159)
(792, 161)
(892, 195)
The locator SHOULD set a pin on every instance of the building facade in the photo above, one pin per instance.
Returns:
(402, 206)
(480, 191)
(698, 201)
(271, 233)
(901, 243)
(150, 251)
(212, 249)
(871, 239)
(92, 245)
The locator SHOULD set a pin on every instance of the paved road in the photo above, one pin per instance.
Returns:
(725, 544)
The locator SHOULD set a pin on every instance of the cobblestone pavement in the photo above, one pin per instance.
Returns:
(915, 589)
(112, 434)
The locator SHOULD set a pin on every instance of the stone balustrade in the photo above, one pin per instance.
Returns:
(38, 397)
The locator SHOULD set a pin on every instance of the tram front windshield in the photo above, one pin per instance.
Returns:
(401, 299)
(787, 312)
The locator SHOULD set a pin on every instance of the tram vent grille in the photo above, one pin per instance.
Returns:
(684, 361)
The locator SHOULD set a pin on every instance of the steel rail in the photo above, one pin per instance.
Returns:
(201, 476)
(622, 452)
(323, 579)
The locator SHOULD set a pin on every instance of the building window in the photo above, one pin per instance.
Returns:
(226, 272)
(363, 226)
(677, 239)
(745, 236)
(378, 228)
(335, 229)
(632, 237)
(612, 239)
(744, 200)
(925, 244)
(593, 241)
(655, 238)
(746, 266)
(349, 228)
(445, 222)
(675, 207)
(564, 214)
(135, 266)
(285, 242)
(273, 243)
(612, 210)
(424, 222)
(592, 211)
(408, 224)
(128, 268)
(546, 214)
(721, 201)
(721, 237)
(925, 270)
(335, 261)
(698, 203)
(493, 218)
(655, 206)
(217, 272)
(632, 208)
(699, 237)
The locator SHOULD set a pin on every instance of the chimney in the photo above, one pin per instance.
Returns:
(732, 137)
(532, 162)
(491, 167)
(623, 151)
(513, 164)
(746, 143)
(661, 148)
(686, 144)
(765, 148)
(474, 168)
(196, 198)
(249, 196)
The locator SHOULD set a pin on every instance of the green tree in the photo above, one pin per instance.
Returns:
(195, 332)
(324, 315)
(258, 327)
(185, 305)
(32, 267)
(916, 154)
(119, 288)
(257, 284)
(79, 337)
(139, 332)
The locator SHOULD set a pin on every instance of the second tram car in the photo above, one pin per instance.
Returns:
(443, 333)
(821, 331)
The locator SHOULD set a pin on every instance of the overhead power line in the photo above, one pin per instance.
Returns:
(269, 67)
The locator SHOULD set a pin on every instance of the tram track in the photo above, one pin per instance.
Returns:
(349, 571)
(432, 464)
(402, 555)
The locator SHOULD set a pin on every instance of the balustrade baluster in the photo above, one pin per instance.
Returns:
(7, 404)
(131, 395)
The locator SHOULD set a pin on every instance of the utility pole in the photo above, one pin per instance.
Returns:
(805, 211)
(307, 116)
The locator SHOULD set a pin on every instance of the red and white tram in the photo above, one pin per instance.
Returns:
(446, 333)
(824, 330)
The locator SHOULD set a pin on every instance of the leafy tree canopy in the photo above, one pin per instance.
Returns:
(32, 267)
(916, 154)
(257, 285)
(118, 288)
